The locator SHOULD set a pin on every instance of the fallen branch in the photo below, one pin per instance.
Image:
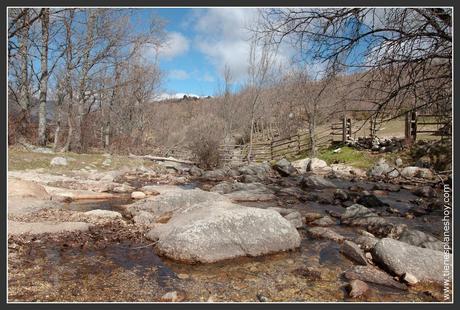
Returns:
(157, 158)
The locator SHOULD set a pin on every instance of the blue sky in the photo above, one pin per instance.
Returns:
(200, 43)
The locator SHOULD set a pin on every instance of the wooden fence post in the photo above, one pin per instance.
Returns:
(344, 129)
(414, 126)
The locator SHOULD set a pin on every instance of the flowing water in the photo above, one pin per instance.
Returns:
(124, 269)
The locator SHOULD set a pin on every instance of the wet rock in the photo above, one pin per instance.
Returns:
(104, 214)
(412, 171)
(366, 242)
(400, 258)
(107, 162)
(317, 165)
(292, 191)
(323, 222)
(325, 233)
(138, 195)
(213, 231)
(285, 168)
(371, 201)
(421, 239)
(340, 194)
(301, 164)
(352, 251)
(309, 273)
(58, 161)
(372, 275)
(387, 187)
(311, 216)
(357, 288)
(425, 191)
(315, 182)
(36, 228)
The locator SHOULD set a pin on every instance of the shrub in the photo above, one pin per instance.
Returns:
(204, 140)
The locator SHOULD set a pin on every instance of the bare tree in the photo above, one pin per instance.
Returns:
(258, 70)
(45, 17)
(405, 54)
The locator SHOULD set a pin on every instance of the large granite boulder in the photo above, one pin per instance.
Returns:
(213, 231)
(400, 258)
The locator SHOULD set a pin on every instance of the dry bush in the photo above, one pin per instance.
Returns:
(204, 139)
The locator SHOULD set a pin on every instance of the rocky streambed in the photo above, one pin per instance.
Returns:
(281, 236)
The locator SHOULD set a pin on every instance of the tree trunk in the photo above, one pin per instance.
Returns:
(23, 51)
(311, 133)
(43, 79)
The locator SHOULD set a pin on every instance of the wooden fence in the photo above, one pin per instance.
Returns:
(288, 147)
(432, 124)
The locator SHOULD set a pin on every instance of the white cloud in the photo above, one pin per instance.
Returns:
(178, 75)
(176, 44)
(223, 36)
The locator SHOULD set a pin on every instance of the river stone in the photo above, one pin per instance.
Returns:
(410, 279)
(357, 288)
(58, 161)
(340, 194)
(316, 165)
(138, 195)
(214, 175)
(345, 171)
(400, 258)
(104, 214)
(195, 171)
(36, 228)
(421, 239)
(425, 191)
(372, 275)
(315, 182)
(371, 201)
(412, 171)
(210, 232)
(301, 164)
(285, 168)
(295, 218)
(323, 222)
(311, 216)
(366, 242)
(352, 251)
(325, 233)
(381, 168)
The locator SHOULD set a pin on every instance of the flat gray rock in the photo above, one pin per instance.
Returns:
(400, 258)
(353, 251)
(372, 275)
(315, 182)
(421, 239)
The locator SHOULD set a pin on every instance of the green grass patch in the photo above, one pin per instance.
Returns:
(349, 156)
